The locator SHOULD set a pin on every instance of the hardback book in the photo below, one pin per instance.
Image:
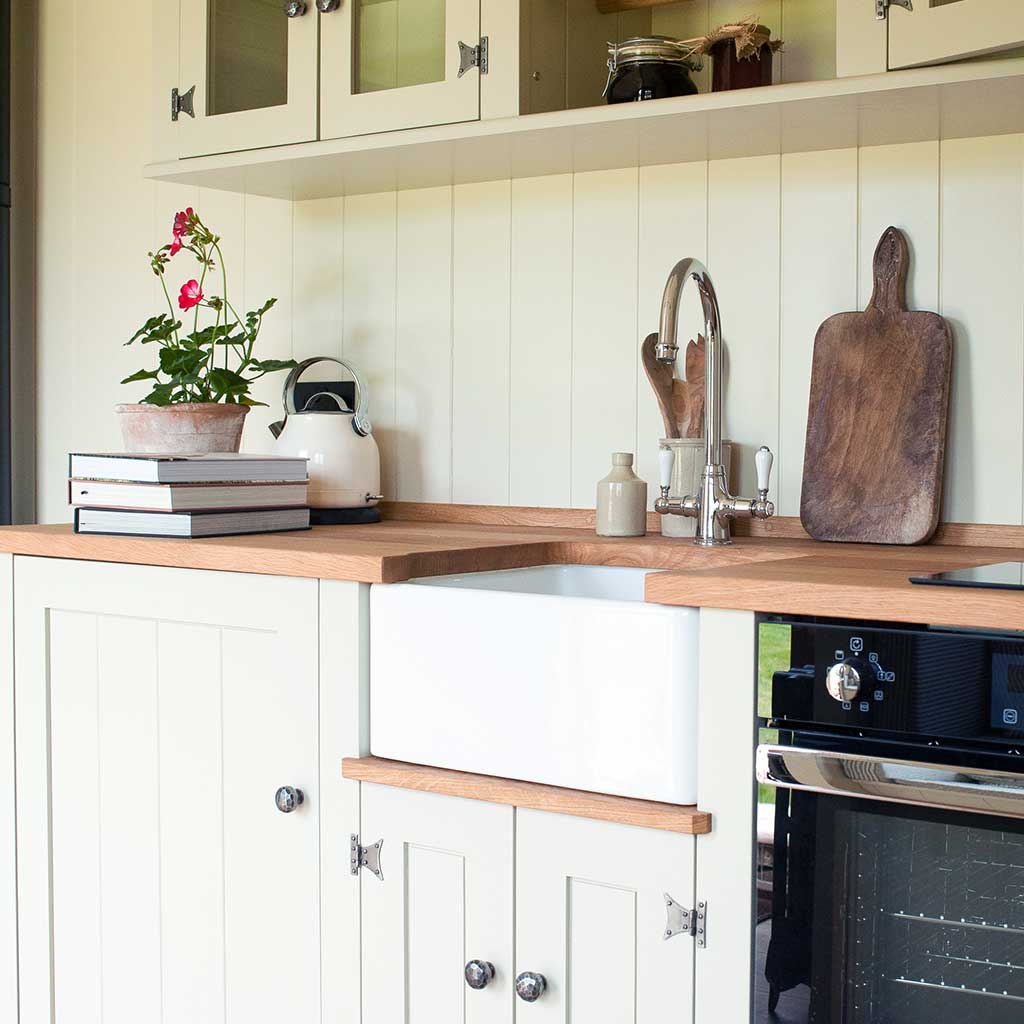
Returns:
(189, 524)
(187, 469)
(185, 497)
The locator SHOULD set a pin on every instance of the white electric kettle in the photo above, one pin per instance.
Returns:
(344, 461)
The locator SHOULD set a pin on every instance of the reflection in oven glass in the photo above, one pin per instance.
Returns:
(879, 917)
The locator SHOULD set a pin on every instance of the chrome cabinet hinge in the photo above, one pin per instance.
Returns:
(681, 921)
(474, 56)
(183, 103)
(882, 7)
(365, 857)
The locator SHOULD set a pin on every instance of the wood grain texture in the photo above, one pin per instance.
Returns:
(617, 6)
(642, 813)
(876, 426)
(662, 383)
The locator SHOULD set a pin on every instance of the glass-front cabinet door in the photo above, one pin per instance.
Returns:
(935, 31)
(253, 67)
(392, 64)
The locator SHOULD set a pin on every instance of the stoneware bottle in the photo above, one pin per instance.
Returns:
(622, 500)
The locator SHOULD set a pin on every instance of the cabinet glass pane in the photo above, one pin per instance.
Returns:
(398, 43)
(247, 54)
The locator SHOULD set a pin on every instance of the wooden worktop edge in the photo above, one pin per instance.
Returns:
(687, 820)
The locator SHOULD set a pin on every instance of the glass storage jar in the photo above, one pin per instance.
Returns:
(650, 68)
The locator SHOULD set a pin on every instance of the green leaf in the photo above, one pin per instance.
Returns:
(268, 305)
(160, 395)
(141, 375)
(246, 400)
(148, 327)
(227, 382)
(235, 339)
(175, 362)
(273, 365)
(212, 335)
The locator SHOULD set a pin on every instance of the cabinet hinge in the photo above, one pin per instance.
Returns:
(183, 103)
(882, 7)
(474, 56)
(365, 857)
(681, 921)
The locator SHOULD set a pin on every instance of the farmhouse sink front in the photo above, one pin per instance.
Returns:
(559, 674)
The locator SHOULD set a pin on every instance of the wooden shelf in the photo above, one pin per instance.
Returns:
(955, 101)
(618, 6)
(643, 813)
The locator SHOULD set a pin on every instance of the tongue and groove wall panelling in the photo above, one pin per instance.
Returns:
(318, 286)
(423, 411)
(743, 254)
(604, 312)
(980, 294)
(370, 260)
(268, 274)
(482, 241)
(540, 456)
(818, 278)
(673, 225)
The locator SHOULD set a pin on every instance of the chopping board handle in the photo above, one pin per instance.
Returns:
(892, 260)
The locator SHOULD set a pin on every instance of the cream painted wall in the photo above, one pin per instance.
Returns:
(500, 323)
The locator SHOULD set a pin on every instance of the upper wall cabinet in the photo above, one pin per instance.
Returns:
(391, 64)
(248, 75)
(939, 30)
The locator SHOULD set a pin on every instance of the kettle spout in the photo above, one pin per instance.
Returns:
(276, 428)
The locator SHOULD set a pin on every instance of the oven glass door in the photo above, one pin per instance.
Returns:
(884, 913)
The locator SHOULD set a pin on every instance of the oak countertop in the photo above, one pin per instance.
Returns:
(792, 576)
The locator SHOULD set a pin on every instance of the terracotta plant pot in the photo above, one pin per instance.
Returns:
(191, 428)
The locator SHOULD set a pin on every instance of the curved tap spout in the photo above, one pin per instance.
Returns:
(668, 345)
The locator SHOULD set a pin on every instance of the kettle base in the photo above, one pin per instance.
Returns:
(344, 516)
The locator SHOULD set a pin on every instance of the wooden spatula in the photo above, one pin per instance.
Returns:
(688, 395)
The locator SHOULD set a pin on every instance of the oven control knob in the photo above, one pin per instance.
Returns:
(843, 680)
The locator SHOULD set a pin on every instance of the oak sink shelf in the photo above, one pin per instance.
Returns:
(922, 104)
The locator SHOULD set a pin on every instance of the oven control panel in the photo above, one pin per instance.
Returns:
(921, 681)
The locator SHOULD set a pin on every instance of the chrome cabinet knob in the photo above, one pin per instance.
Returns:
(843, 681)
(327, 6)
(479, 973)
(294, 8)
(289, 799)
(530, 986)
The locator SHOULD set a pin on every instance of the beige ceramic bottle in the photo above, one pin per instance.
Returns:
(622, 500)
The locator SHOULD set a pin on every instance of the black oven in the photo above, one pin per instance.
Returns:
(890, 861)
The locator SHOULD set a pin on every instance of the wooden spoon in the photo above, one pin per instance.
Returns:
(688, 395)
(660, 376)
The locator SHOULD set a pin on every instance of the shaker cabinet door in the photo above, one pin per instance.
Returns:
(941, 30)
(254, 74)
(445, 899)
(591, 918)
(392, 64)
(158, 712)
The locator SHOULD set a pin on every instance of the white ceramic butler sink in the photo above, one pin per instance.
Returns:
(558, 674)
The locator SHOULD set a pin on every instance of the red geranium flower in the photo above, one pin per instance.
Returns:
(191, 295)
(175, 246)
(181, 222)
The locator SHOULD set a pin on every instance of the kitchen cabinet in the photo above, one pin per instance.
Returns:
(8, 866)
(444, 898)
(589, 903)
(246, 75)
(159, 711)
(929, 32)
(934, 31)
(390, 64)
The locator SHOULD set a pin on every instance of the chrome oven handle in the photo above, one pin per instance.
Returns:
(948, 787)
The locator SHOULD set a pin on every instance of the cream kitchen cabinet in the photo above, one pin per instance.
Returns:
(589, 905)
(159, 712)
(888, 35)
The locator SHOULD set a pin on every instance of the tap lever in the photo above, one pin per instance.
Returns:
(666, 460)
(763, 461)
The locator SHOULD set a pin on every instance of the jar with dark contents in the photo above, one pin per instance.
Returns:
(650, 68)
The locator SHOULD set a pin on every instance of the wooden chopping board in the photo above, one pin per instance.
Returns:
(876, 424)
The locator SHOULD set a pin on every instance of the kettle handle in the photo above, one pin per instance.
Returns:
(361, 420)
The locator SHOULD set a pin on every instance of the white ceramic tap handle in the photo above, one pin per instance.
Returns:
(666, 459)
(763, 463)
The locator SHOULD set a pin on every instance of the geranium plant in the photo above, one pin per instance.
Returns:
(213, 362)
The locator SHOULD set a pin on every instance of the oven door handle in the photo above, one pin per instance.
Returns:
(977, 790)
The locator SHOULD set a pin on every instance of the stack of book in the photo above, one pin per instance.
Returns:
(187, 496)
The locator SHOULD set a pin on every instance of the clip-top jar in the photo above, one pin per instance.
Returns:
(650, 68)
